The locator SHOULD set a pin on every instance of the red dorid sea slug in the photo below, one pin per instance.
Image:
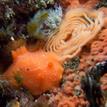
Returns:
(36, 71)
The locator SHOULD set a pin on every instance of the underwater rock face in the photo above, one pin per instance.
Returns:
(90, 55)
(79, 3)
(44, 3)
(69, 93)
(99, 47)
(71, 79)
